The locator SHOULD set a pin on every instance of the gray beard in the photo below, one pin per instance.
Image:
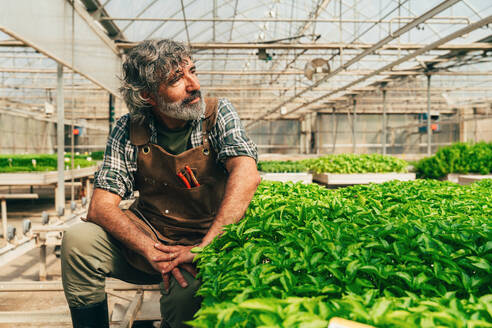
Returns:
(180, 111)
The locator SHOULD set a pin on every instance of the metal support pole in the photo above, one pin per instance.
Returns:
(318, 133)
(42, 262)
(4, 218)
(318, 137)
(383, 136)
(302, 136)
(340, 30)
(462, 124)
(60, 137)
(308, 134)
(334, 130)
(475, 126)
(429, 131)
(214, 38)
(354, 117)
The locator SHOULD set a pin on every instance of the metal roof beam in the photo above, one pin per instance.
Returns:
(49, 32)
(355, 72)
(324, 46)
(448, 38)
(292, 72)
(308, 21)
(228, 89)
(97, 11)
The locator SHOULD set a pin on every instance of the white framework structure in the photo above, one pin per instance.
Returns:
(255, 53)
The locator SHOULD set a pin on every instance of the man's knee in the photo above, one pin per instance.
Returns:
(83, 242)
(82, 237)
(84, 264)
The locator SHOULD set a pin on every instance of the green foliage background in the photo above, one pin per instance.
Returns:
(356, 163)
(282, 166)
(340, 163)
(457, 158)
(44, 162)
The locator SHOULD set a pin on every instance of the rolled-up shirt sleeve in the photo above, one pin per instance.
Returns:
(116, 173)
(228, 136)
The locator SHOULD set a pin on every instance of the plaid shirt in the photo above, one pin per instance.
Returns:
(116, 174)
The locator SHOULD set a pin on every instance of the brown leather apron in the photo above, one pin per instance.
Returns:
(166, 209)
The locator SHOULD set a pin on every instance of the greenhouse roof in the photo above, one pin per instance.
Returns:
(272, 59)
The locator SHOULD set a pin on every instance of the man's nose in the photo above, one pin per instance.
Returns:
(192, 82)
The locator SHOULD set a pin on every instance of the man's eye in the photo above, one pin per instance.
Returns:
(175, 80)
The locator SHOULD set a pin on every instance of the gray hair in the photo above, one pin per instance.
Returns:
(146, 66)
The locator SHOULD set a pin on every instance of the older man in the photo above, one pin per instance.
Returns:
(195, 170)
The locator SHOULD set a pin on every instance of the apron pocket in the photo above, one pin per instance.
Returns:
(199, 202)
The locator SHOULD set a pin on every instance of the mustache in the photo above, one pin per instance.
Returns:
(193, 95)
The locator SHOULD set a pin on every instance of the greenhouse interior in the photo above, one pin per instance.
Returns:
(232, 163)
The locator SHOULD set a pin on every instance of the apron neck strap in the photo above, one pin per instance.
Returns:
(211, 108)
(139, 131)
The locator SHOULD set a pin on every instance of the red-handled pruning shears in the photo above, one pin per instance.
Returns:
(185, 181)
(191, 175)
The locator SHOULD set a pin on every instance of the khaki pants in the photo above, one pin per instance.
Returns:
(89, 255)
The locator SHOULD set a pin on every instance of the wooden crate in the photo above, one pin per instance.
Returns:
(303, 177)
(340, 179)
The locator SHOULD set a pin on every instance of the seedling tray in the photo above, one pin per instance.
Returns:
(360, 178)
(303, 177)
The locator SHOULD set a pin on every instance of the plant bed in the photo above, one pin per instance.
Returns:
(284, 171)
(398, 254)
(356, 163)
(43, 162)
(350, 169)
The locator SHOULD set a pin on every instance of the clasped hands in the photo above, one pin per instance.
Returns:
(169, 259)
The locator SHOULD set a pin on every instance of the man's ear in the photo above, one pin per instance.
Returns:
(148, 97)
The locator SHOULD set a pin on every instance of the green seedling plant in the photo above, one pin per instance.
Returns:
(43, 162)
(356, 163)
(281, 166)
(398, 254)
